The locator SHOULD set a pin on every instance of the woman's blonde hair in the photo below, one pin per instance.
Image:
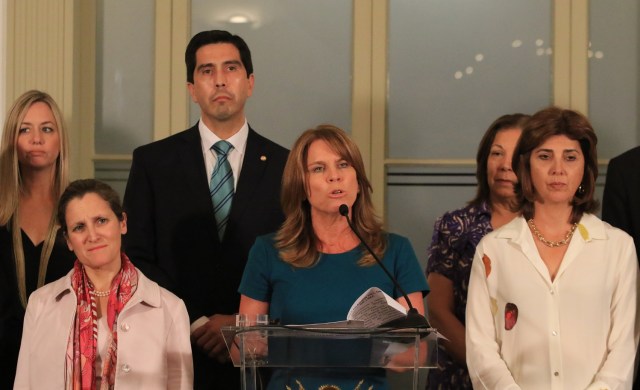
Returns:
(296, 240)
(12, 184)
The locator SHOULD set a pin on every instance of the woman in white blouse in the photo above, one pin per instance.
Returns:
(553, 294)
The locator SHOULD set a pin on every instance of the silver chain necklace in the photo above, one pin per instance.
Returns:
(553, 244)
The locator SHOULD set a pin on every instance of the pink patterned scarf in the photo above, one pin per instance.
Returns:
(82, 345)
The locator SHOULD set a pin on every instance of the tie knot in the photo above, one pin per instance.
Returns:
(222, 147)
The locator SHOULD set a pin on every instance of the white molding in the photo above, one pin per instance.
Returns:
(3, 61)
(171, 113)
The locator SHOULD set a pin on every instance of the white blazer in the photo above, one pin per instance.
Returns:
(154, 350)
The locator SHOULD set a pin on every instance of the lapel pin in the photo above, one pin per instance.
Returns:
(263, 158)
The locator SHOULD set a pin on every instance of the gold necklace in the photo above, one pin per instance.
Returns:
(553, 244)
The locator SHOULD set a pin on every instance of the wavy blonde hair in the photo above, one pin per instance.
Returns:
(13, 186)
(296, 240)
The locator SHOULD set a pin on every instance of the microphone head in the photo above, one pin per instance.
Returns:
(344, 210)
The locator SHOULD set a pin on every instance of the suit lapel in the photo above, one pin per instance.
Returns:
(256, 158)
(195, 173)
(254, 164)
(193, 165)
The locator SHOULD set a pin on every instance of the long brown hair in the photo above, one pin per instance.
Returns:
(13, 186)
(296, 240)
(543, 125)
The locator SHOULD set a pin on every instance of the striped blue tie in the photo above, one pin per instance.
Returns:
(221, 186)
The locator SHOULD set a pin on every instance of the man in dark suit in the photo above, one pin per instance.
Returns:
(173, 234)
(621, 201)
(621, 198)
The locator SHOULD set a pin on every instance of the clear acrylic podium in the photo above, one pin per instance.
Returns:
(402, 350)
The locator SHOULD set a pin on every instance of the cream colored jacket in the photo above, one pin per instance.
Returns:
(154, 351)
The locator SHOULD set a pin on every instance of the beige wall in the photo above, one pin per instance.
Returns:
(3, 59)
(57, 57)
(65, 39)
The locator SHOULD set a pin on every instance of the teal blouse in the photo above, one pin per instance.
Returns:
(324, 293)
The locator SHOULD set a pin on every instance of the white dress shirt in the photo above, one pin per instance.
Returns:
(575, 332)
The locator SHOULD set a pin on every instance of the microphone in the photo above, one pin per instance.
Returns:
(413, 318)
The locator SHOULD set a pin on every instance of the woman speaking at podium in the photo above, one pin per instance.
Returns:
(314, 267)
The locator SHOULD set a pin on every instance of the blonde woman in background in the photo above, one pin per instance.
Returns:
(33, 174)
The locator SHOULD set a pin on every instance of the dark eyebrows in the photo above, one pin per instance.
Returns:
(74, 224)
(225, 63)
(233, 62)
(565, 151)
(202, 66)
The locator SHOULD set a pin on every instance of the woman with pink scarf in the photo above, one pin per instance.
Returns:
(104, 325)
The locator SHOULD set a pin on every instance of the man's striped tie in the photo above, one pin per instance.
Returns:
(221, 186)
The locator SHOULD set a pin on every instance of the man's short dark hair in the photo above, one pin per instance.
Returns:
(216, 36)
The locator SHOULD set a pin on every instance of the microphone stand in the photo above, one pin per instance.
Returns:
(413, 319)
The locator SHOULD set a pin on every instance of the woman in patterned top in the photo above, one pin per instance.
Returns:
(455, 237)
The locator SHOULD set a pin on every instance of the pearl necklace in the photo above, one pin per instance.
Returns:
(100, 294)
(553, 244)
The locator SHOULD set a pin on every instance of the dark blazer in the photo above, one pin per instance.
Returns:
(621, 203)
(11, 310)
(621, 199)
(172, 235)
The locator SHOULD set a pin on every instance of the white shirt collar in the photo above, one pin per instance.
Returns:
(238, 140)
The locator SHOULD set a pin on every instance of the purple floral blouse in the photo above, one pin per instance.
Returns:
(455, 237)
